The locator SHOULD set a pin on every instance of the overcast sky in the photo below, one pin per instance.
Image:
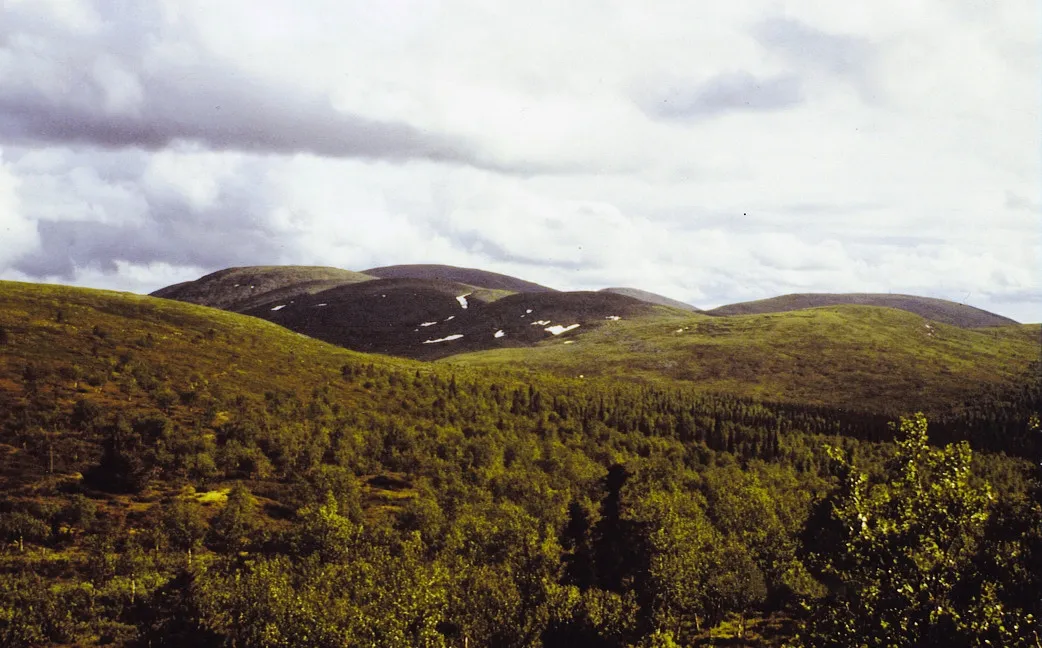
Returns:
(710, 151)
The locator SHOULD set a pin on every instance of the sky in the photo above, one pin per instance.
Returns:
(713, 152)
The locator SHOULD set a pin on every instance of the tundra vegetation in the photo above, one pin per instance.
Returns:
(177, 475)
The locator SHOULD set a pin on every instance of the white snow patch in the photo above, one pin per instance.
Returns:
(462, 299)
(528, 311)
(383, 295)
(679, 330)
(540, 323)
(447, 338)
(499, 334)
(614, 318)
(569, 342)
(450, 317)
(428, 324)
(558, 329)
(279, 307)
(320, 305)
(235, 286)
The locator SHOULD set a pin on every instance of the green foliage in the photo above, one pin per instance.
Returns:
(324, 532)
(19, 527)
(903, 572)
(232, 529)
(33, 612)
(182, 521)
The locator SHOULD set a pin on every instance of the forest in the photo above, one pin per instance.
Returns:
(174, 475)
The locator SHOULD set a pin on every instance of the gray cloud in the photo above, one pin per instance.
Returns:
(234, 230)
(736, 91)
(477, 243)
(236, 116)
(839, 55)
(69, 95)
(1020, 203)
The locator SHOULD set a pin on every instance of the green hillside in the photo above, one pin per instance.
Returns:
(178, 475)
(937, 310)
(861, 357)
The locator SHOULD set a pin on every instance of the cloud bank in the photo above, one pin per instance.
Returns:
(712, 156)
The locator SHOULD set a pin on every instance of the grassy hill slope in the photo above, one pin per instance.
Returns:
(861, 357)
(239, 289)
(938, 310)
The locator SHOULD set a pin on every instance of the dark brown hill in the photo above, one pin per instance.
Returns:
(239, 289)
(428, 319)
(653, 298)
(469, 276)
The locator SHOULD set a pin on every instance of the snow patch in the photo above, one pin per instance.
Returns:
(447, 338)
(499, 334)
(614, 318)
(540, 323)
(428, 324)
(679, 330)
(569, 342)
(450, 317)
(462, 299)
(320, 305)
(279, 307)
(558, 329)
(528, 311)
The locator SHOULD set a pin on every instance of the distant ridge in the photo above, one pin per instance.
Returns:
(469, 276)
(652, 298)
(239, 289)
(938, 310)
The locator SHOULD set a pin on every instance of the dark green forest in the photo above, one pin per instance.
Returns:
(174, 475)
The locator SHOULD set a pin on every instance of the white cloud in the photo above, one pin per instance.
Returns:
(17, 231)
